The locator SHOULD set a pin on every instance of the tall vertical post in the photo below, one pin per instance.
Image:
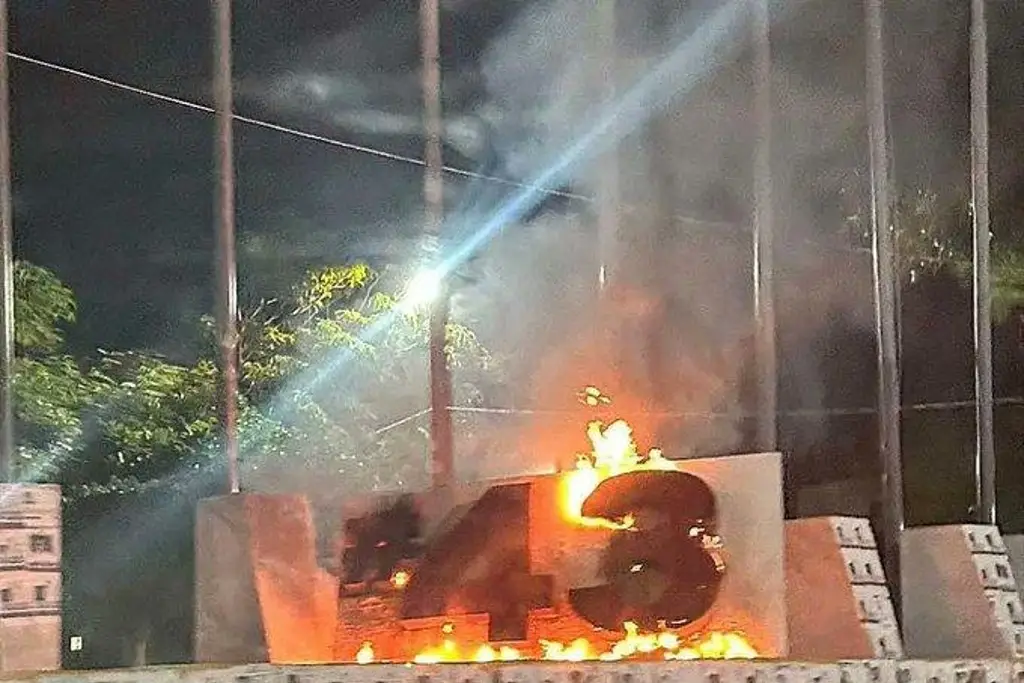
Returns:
(224, 209)
(608, 194)
(441, 433)
(6, 262)
(883, 261)
(764, 268)
(985, 457)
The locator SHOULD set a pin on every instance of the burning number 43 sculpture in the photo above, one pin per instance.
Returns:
(617, 558)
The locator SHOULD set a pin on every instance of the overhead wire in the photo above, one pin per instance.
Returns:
(326, 139)
(287, 130)
(865, 411)
(1010, 401)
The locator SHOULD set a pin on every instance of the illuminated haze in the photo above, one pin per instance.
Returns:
(673, 337)
(676, 337)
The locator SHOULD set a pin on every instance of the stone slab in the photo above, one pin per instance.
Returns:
(228, 625)
(750, 522)
(260, 592)
(30, 577)
(1015, 551)
(947, 575)
(836, 609)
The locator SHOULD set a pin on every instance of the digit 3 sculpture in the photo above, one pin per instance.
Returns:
(662, 569)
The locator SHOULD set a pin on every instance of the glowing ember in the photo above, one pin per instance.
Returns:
(365, 654)
(593, 397)
(614, 453)
(400, 579)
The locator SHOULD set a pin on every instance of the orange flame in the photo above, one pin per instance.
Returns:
(665, 645)
(400, 579)
(614, 452)
(365, 654)
(449, 651)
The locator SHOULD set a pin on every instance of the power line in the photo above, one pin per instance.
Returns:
(1014, 401)
(328, 140)
(287, 130)
(1009, 401)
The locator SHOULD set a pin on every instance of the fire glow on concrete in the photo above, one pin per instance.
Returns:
(686, 563)
(614, 454)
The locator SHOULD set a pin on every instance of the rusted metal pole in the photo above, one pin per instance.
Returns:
(884, 263)
(985, 456)
(441, 433)
(764, 268)
(6, 262)
(226, 265)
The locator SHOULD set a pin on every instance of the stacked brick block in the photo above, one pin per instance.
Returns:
(30, 590)
(960, 598)
(995, 571)
(838, 601)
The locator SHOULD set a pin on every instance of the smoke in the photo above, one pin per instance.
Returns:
(670, 336)
(927, 81)
(670, 341)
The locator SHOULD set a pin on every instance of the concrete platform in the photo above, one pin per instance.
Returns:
(857, 671)
(30, 576)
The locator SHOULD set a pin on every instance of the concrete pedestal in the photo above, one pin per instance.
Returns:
(260, 593)
(959, 594)
(850, 671)
(838, 604)
(1015, 552)
(30, 591)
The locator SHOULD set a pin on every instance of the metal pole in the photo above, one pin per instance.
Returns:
(985, 458)
(7, 264)
(227, 273)
(883, 261)
(608, 194)
(441, 433)
(764, 269)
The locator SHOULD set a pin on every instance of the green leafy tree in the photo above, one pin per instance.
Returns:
(336, 381)
(333, 382)
(51, 391)
(149, 423)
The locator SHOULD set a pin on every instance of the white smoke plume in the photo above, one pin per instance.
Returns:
(676, 339)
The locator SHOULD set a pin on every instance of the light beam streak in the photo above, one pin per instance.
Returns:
(678, 73)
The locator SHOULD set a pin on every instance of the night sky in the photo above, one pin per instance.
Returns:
(114, 191)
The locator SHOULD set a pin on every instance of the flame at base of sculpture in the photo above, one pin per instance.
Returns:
(665, 645)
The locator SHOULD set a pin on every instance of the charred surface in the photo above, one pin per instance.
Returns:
(680, 497)
(376, 543)
(659, 571)
(481, 565)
